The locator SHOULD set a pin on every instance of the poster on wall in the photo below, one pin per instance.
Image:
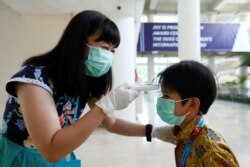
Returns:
(215, 37)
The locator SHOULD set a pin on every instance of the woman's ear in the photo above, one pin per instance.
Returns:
(194, 105)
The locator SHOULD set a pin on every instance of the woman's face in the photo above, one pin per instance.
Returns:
(99, 44)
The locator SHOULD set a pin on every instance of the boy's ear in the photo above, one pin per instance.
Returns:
(194, 104)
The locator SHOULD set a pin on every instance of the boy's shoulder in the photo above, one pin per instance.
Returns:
(210, 135)
(213, 149)
(210, 142)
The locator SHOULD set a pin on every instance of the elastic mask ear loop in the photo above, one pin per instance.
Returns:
(184, 100)
(86, 44)
(186, 114)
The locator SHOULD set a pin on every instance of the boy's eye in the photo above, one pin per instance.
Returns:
(165, 96)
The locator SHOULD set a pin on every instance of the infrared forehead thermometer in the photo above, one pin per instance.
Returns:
(145, 87)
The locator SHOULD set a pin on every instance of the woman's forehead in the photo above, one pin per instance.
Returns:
(96, 34)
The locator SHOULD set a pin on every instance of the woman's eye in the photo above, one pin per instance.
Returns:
(106, 48)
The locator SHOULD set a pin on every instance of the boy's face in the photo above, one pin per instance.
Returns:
(190, 108)
(179, 108)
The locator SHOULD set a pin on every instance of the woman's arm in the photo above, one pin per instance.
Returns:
(42, 122)
(123, 127)
(120, 126)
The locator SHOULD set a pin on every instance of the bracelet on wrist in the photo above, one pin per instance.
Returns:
(148, 132)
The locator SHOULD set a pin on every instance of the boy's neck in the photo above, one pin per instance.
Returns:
(189, 118)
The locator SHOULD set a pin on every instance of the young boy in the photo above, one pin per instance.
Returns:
(188, 90)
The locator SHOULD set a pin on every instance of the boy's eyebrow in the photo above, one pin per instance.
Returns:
(165, 93)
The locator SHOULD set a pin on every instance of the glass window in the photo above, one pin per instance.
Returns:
(142, 69)
(141, 60)
(144, 19)
(142, 72)
(165, 18)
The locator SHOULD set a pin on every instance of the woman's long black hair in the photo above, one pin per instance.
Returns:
(64, 63)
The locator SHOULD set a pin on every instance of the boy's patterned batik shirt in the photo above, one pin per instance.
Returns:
(208, 150)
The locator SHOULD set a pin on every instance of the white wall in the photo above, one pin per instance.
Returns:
(23, 36)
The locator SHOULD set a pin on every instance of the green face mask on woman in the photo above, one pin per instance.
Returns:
(99, 61)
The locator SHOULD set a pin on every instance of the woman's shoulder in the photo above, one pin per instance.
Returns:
(30, 74)
(30, 70)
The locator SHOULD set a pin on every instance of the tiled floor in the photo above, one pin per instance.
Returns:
(104, 149)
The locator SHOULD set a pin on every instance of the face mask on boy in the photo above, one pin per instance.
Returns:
(165, 110)
(99, 61)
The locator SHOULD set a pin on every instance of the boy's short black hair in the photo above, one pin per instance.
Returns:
(190, 79)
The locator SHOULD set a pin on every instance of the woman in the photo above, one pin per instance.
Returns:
(41, 125)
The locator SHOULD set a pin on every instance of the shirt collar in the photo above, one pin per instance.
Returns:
(185, 132)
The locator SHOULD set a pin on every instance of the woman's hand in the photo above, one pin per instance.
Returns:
(117, 99)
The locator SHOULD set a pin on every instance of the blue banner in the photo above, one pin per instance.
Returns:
(214, 37)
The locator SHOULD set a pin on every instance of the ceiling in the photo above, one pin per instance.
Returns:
(132, 8)
(211, 10)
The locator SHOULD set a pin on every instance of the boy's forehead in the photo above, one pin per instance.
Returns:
(166, 89)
